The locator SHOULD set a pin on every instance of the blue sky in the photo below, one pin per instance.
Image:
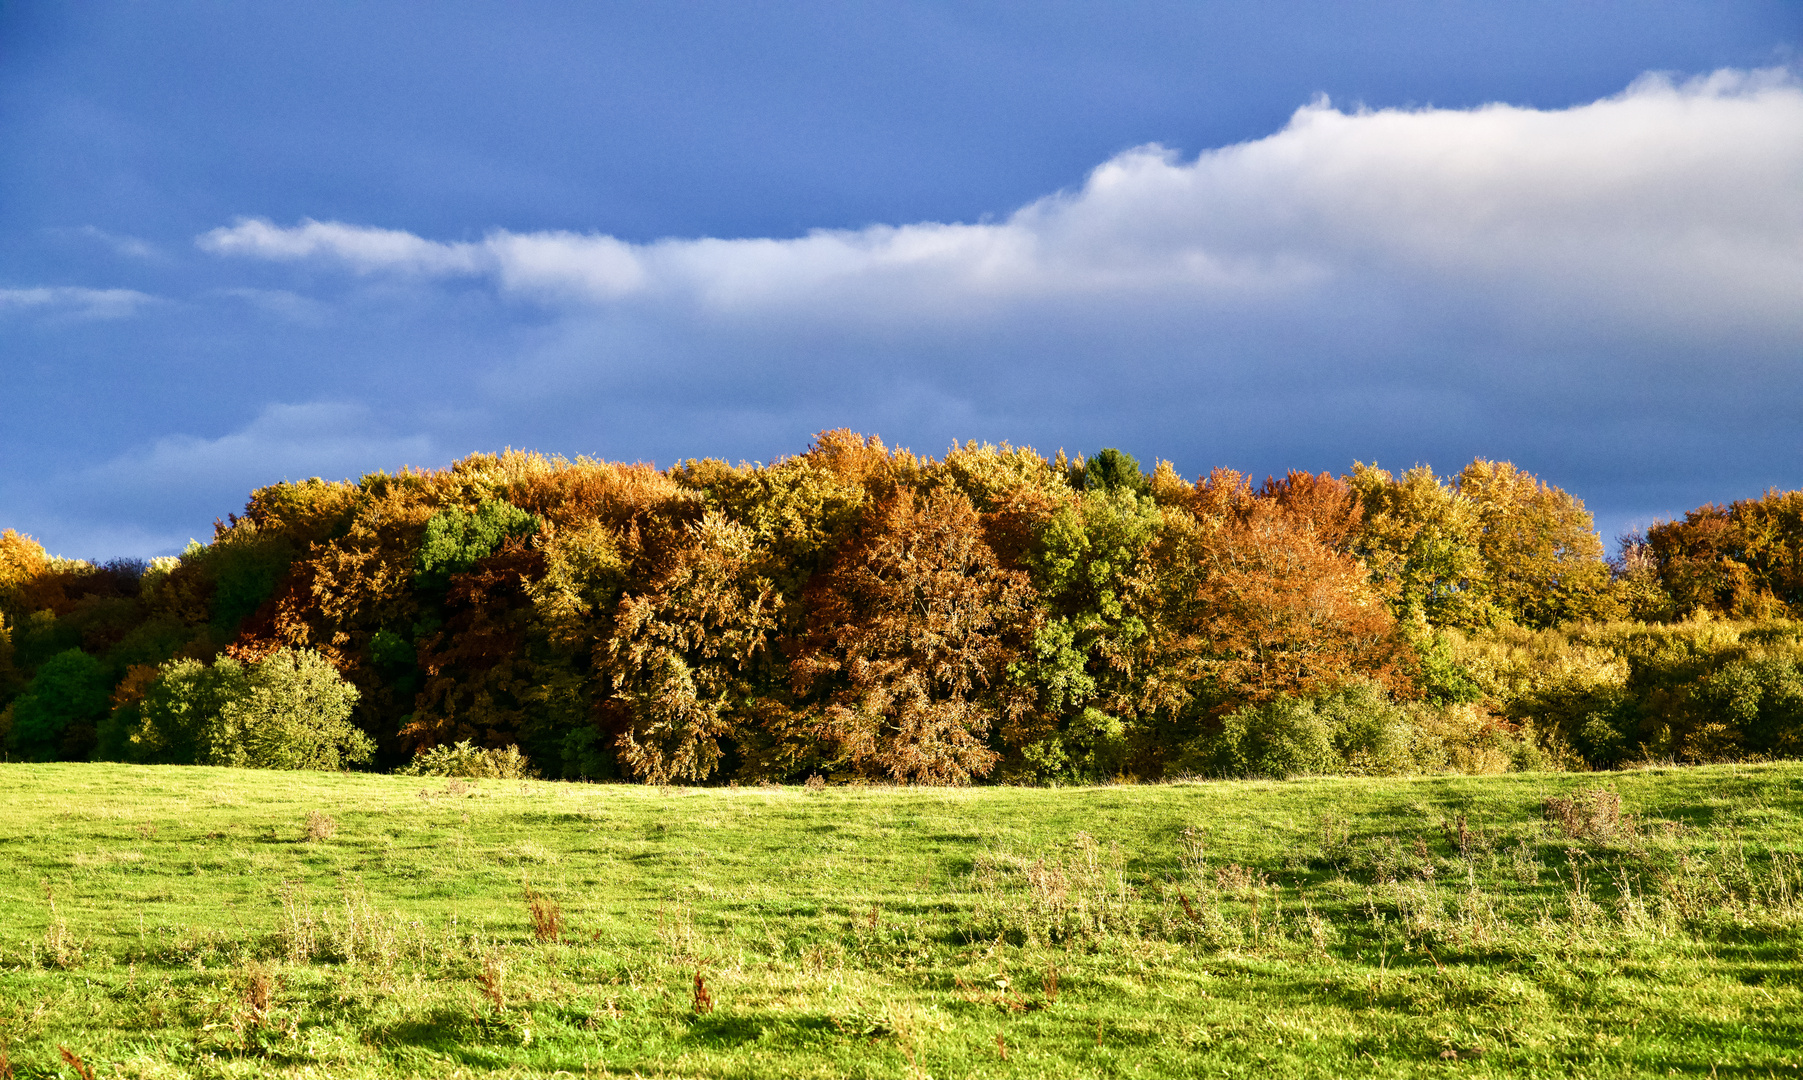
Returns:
(243, 242)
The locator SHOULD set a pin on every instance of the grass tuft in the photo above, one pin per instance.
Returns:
(321, 827)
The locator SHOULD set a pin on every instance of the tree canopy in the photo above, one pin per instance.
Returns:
(856, 610)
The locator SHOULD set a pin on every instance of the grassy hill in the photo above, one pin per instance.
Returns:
(167, 922)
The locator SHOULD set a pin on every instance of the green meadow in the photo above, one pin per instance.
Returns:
(175, 922)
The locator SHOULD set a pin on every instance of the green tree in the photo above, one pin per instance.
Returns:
(456, 539)
(290, 710)
(56, 717)
(1111, 470)
(1092, 570)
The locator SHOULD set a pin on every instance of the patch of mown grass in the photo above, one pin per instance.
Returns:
(211, 922)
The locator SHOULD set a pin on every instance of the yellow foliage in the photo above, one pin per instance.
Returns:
(21, 559)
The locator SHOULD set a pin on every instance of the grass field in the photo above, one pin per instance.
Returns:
(209, 922)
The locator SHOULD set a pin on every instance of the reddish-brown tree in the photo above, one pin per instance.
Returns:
(910, 634)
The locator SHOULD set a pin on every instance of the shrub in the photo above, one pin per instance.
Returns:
(1353, 730)
(1613, 692)
(469, 762)
(1469, 739)
(1283, 738)
(1760, 701)
(289, 711)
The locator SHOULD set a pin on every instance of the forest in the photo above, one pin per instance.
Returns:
(861, 613)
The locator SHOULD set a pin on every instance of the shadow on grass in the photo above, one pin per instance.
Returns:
(447, 1031)
(780, 1031)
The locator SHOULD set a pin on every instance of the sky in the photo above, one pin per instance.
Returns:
(247, 242)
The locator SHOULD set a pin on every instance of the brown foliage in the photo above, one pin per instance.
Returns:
(909, 637)
(1286, 614)
(1744, 560)
(135, 684)
(476, 667)
(74, 1061)
(547, 917)
(1271, 607)
(863, 460)
(1322, 505)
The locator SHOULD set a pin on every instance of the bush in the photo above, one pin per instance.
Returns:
(1706, 690)
(1284, 738)
(290, 710)
(1355, 730)
(1759, 704)
(1372, 736)
(469, 762)
(1471, 740)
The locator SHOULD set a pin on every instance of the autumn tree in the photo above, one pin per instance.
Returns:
(1542, 557)
(910, 636)
(1743, 560)
(1419, 538)
(684, 652)
(1282, 612)
(21, 560)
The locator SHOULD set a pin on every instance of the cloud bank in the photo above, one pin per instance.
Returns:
(1670, 205)
(1610, 294)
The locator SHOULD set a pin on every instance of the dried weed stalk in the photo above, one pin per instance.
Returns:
(547, 917)
(257, 986)
(296, 928)
(493, 978)
(1593, 814)
(82, 1068)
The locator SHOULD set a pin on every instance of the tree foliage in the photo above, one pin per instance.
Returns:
(910, 635)
(290, 710)
(862, 611)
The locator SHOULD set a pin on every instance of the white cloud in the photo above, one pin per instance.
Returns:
(283, 304)
(1673, 206)
(365, 249)
(69, 300)
(1609, 294)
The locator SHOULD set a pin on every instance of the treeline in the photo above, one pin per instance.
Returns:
(857, 611)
